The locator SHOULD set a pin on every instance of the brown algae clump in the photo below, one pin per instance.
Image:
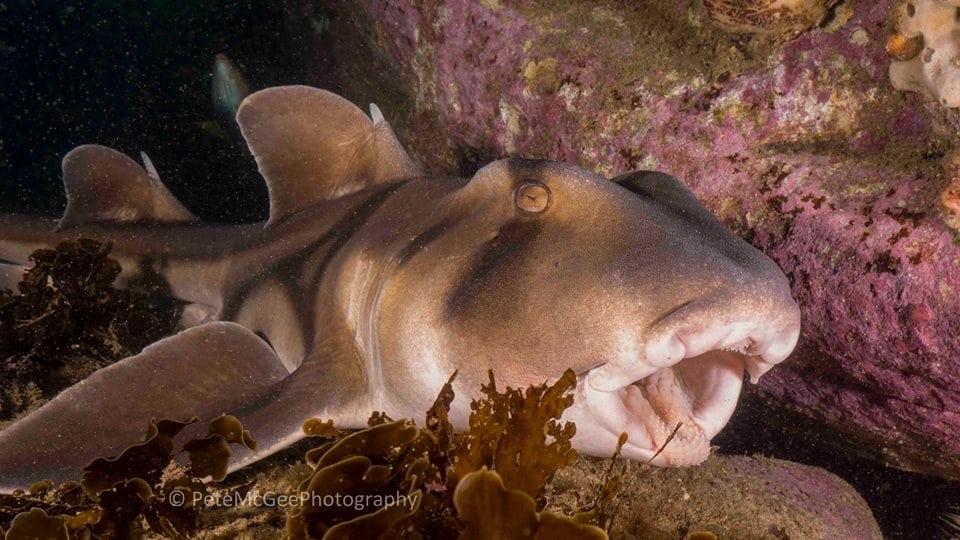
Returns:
(432, 483)
(114, 493)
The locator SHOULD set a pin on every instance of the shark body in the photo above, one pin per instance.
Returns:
(372, 283)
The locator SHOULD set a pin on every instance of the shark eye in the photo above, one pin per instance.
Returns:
(532, 197)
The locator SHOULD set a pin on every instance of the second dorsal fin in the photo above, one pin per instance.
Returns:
(105, 185)
(312, 145)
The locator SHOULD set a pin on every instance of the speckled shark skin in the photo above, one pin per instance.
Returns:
(371, 284)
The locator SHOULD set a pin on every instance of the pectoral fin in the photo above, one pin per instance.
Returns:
(205, 371)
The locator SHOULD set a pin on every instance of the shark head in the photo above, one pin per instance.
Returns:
(533, 267)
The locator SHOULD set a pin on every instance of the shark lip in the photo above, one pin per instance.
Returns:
(686, 379)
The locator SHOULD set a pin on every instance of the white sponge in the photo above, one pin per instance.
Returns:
(925, 49)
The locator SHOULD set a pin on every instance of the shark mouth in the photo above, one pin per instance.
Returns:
(678, 395)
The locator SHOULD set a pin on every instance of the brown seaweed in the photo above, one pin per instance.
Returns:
(509, 431)
(488, 509)
(210, 455)
(37, 524)
(145, 460)
(430, 478)
(123, 496)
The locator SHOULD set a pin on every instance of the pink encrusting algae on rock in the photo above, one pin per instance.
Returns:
(805, 149)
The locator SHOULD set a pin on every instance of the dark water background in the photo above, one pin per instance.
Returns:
(136, 76)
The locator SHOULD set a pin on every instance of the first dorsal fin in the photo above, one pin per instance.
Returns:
(105, 185)
(312, 145)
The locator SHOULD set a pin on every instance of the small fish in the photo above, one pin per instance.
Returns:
(228, 89)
